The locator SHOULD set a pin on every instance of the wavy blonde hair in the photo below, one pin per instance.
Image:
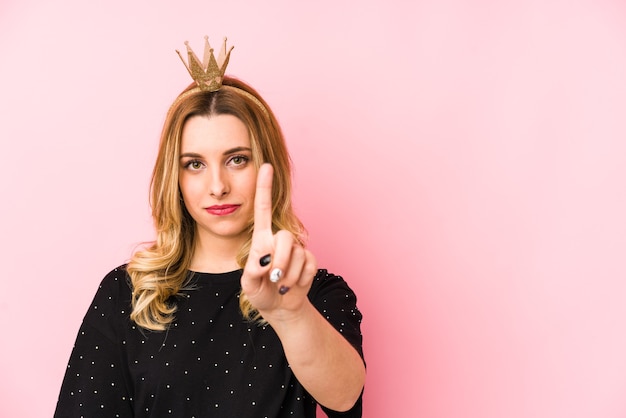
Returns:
(160, 271)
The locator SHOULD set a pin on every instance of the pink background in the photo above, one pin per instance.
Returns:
(461, 163)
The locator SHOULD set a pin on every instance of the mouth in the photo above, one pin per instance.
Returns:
(221, 210)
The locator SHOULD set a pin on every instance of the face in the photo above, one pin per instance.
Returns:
(217, 177)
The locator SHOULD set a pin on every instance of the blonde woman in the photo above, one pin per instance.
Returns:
(226, 314)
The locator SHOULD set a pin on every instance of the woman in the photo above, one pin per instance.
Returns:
(226, 313)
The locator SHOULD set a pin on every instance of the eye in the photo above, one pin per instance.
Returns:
(194, 165)
(238, 160)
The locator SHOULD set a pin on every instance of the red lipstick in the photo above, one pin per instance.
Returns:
(221, 210)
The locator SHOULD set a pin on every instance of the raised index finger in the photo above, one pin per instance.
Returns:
(263, 200)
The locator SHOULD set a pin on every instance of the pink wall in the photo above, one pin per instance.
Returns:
(462, 164)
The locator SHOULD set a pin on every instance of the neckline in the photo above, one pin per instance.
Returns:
(225, 277)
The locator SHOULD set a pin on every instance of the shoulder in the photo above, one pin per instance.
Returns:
(332, 296)
(335, 300)
(113, 291)
(326, 283)
(111, 303)
(116, 281)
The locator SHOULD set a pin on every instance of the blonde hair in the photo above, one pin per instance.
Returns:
(160, 271)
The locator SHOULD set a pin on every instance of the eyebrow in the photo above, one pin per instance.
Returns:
(227, 152)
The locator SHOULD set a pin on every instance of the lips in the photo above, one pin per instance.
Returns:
(221, 210)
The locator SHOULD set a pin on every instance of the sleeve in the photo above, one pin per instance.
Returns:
(94, 384)
(334, 299)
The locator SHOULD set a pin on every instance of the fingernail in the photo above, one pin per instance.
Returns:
(275, 275)
(283, 290)
(265, 260)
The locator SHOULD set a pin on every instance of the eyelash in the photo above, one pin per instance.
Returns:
(244, 159)
(188, 164)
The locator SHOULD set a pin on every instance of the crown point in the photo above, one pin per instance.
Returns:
(208, 73)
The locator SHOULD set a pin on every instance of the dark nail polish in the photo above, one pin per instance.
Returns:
(265, 260)
(283, 290)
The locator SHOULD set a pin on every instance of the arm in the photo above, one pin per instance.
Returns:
(330, 369)
(326, 364)
(94, 384)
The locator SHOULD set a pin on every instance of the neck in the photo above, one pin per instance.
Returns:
(215, 255)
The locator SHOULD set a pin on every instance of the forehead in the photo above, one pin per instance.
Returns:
(217, 132)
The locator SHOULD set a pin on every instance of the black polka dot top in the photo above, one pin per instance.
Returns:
(209, 363)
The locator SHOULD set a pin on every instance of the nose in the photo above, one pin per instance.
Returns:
(218, 183)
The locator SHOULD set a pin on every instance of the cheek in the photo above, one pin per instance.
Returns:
(188, 186)
(250, 188)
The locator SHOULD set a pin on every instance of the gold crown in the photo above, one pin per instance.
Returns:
(209, 73)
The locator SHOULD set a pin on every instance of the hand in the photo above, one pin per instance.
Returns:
(297, 266)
